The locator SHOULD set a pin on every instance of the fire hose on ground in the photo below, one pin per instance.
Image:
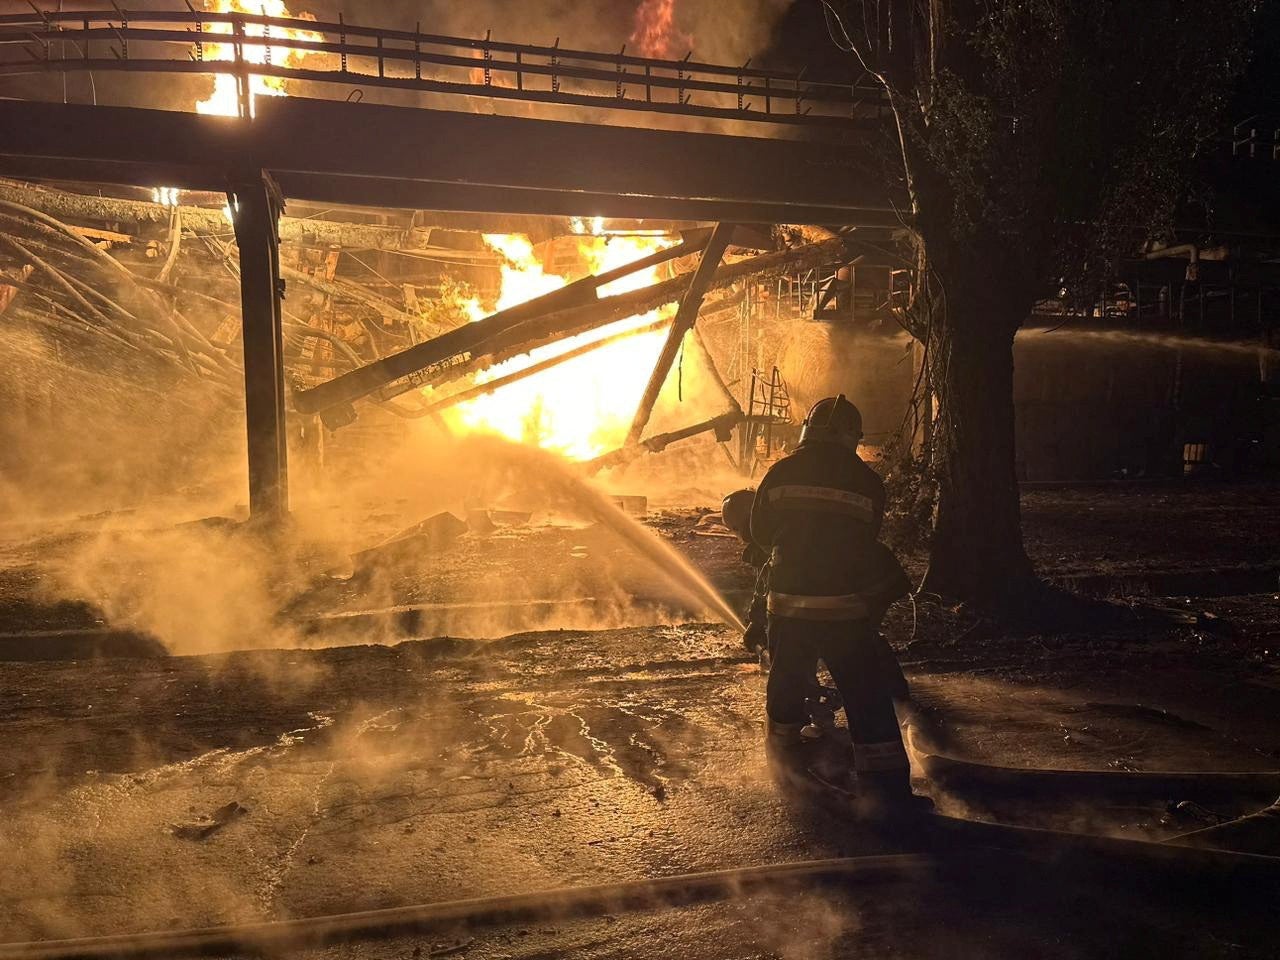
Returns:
(1252, 875)
(940, 843)
(944, 843)
(450, 915)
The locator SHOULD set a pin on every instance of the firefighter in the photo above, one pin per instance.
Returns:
(892, 585)
(818, 512)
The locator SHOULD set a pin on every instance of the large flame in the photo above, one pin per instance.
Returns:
(225, 101)
(655, 33)
(583, 407)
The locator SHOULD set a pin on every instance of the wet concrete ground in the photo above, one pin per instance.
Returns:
(166, 792)
(378, 776)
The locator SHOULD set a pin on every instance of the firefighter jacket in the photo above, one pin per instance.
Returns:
(818, 511)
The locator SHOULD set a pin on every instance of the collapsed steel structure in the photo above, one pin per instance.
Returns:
(284, 148)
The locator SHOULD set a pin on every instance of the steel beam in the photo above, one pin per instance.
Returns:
(327, 152)
(477, 346)
(492, 386)
(256, 205)
(458, 347)
(685, 317)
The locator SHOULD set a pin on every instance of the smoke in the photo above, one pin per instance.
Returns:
(718, 31)
(812, 926)
(218, 584)
(726, 33)
(691, 474)
(197, 587)
(79, 435)
(731, 31)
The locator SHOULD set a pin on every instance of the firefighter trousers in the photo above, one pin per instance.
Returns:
(852, 651)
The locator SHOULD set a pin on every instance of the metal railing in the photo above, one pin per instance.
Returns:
(247, 45)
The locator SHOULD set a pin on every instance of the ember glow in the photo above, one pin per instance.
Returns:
(224, 101)
(583, 407)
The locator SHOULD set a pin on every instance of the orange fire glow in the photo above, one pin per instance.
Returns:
(224, 101)
(655, 33)
(583, 407)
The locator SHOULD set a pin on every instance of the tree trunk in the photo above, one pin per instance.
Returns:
(976, 553)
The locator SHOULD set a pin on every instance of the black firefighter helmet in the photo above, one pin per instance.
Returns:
(834, 419)
(736, 512)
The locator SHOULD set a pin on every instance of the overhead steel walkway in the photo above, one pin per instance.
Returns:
(809, 158)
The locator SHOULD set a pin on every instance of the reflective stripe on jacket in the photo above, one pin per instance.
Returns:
(798, 606)
(818, 513)
(799, 496)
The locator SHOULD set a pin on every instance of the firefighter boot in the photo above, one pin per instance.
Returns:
(785, 746)
(782, 736)
(803, 763)
(885, 797)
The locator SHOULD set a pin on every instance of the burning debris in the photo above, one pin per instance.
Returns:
(584, 408)
(550, 341)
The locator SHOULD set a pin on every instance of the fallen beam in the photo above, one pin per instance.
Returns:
(477, 346)
(580, 292)
(699, 348)
(690, 304)
(721, 424)
(483, 389)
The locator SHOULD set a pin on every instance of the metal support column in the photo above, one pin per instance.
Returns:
(686, 316)
(256, 205)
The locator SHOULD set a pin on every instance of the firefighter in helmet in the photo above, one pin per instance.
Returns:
(893, 584)
(818, 513)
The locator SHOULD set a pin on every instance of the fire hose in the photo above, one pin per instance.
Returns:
(947, 842)
(951, 843)
(371, 924)
(1026, 782)
(943, 843)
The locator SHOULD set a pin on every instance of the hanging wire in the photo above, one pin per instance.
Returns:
(832, 16)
